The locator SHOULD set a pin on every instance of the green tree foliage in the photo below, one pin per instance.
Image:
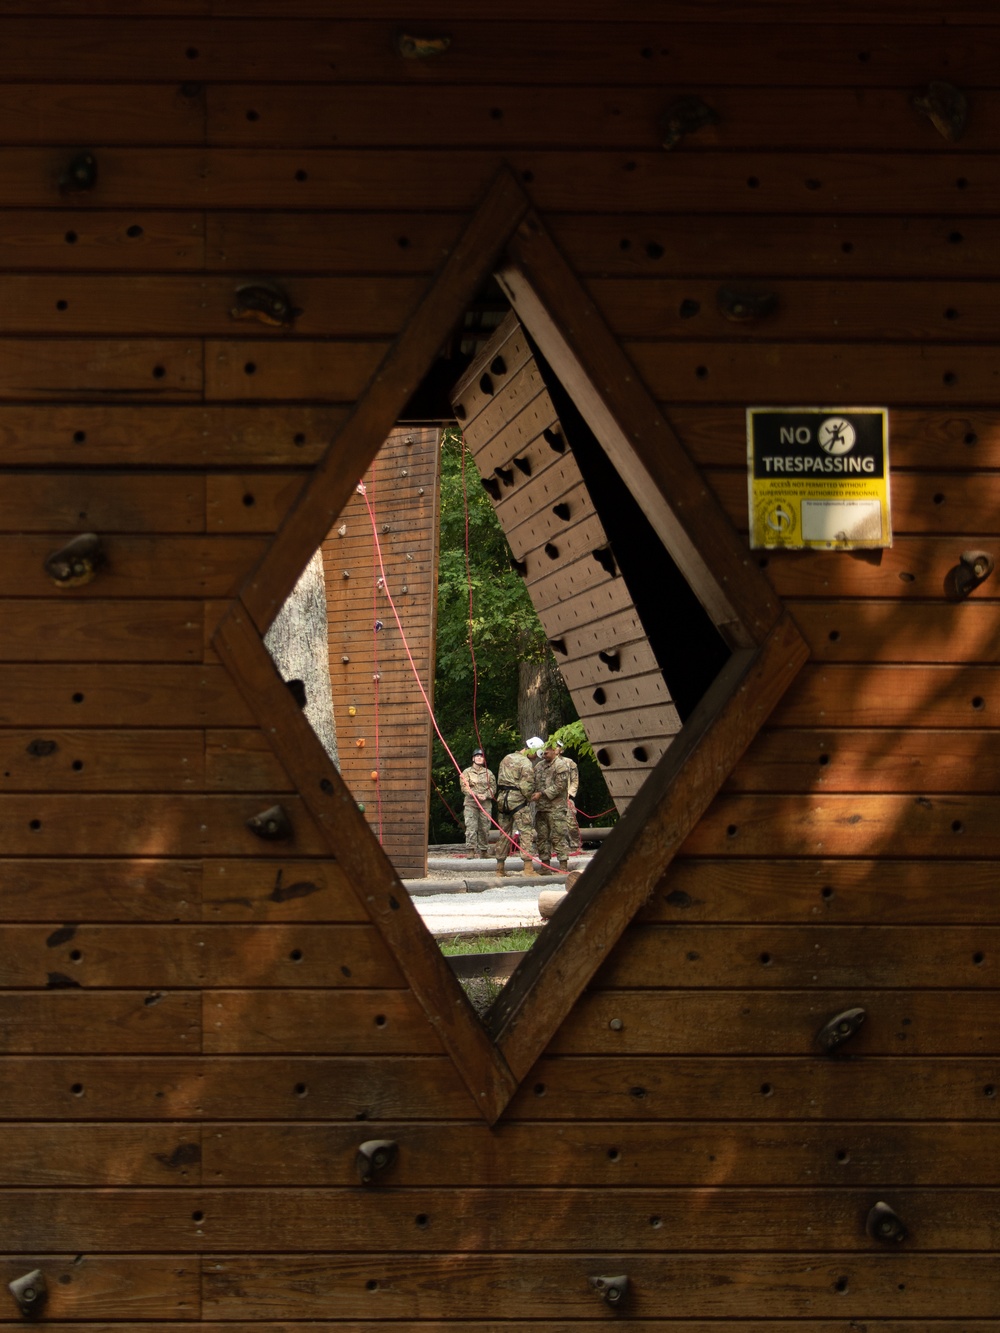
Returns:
(504, 631)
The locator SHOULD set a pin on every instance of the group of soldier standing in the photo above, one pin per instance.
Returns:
(534, 789)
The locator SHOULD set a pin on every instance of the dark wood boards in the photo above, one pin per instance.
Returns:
(888, 889)
(181, 1127)
(537, 999)
(646, 1223)
(262, 1087)
(210, 956)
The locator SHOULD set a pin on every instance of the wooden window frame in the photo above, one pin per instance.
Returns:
(505, 237)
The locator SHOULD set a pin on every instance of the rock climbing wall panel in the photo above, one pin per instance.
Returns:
(526, 461)
(381, 570)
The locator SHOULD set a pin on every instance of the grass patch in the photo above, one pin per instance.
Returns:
(517, 940)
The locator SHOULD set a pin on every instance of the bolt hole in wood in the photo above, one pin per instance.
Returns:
(71, 238)
(159, 372)
(824, 759)
(78, 698)
(841, 1285)
(951, 313)
(62, 305)
(732, 830)
(826, 893)
(301, 1090)
(961, 183)
(296, 955)
(989, 1090)
(656, 1222)
(847, 247)
(134, 231)
(753, 182)
(75, 955)
(380, 1020)
(949, 377)
(197, 1215)
(834, 636)
(624, 243)
(79, 437)
(654, 250)
(978, 703)
(301, 175)
(371, 1285)
(766, 1090)
(76, 1089)
(614, 1155)
(957, 826)
(842, 1156)
(253, 116)
(979, 959)
(422, 1221)
(939, 498)
(970, 438)
(539, 1089)
(35, 825)
(765, 960)
(250, 368)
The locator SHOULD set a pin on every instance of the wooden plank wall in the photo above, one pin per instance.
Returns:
(380, 561)
(199, 1028)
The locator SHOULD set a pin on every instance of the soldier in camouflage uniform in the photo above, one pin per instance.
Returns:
(515, 788)
(479, 786)
(552, 831)
(573, 787)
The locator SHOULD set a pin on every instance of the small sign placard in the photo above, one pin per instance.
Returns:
(818, 477)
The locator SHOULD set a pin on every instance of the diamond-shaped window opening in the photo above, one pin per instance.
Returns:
(765, 651)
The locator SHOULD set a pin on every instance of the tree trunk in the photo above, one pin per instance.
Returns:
(299, 647)
(534, 691)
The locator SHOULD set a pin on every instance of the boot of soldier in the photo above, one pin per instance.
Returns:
(563, 863)
(500, 870)
(543, 867)
(529, 866)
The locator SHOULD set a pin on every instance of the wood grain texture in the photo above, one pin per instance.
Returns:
(141, 566)
(378, 886)
(96, 760)
(96, 631)
(873, 760)
(696, 1286)
(110, 435)
(113, 1286)
(136, 889)
(212, 956)
(356, 444)
(531, 1007)
(66, 1088)
(891, 889)
(783, 1022)
(655, 53)
(117, 1022)
(608, 1154)
(647, 1089)
(644, 1223)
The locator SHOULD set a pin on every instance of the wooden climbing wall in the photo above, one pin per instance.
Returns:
(527, 463)
(200, 1027)
(380, 561)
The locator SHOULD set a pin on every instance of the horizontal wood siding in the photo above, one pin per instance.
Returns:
(198, 1028)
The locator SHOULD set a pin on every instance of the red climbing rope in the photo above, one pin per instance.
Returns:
(468, 579)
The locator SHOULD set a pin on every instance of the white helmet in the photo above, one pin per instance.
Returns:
(534, 744)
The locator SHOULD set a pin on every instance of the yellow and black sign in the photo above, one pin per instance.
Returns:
(818, 477)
